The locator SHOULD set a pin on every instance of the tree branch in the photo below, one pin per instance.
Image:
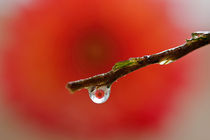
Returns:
(199, 39)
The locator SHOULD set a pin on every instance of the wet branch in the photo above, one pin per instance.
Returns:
(199, 39)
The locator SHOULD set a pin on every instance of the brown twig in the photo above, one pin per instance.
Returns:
(199, 39)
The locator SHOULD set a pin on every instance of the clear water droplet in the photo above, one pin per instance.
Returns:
(99, 94)
(166, 61)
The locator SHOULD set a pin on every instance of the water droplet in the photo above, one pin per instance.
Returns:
(166, 61)
(99, 94)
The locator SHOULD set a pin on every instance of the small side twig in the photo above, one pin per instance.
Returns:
(199, 39)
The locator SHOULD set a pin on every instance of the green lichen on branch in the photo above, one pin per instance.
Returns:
(122, 64)
(199, 39)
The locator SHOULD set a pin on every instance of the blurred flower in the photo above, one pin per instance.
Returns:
(56, 42)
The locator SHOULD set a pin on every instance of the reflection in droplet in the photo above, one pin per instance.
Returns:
(99, 94)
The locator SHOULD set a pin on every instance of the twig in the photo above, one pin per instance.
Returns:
(199, 39)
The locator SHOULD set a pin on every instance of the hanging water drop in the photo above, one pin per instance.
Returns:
(166, 61)
(99, 94)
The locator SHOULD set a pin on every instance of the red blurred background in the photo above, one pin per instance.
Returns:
(48, 43)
